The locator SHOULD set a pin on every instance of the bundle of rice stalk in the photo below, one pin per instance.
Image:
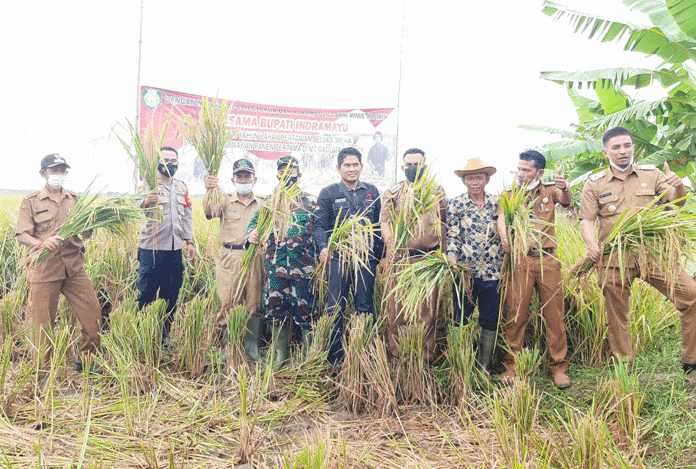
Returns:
(91, 212)
(352, 240)
(516, 210)
(415, 282)
(210, 135)
(655, 236)
(416, 384)
(144, 151)
(418, 211)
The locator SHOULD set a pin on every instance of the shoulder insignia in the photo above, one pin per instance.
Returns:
(646, 167)
(33, 194)
(309, 197)
(547, 183)
(595, 176)
(395, 188)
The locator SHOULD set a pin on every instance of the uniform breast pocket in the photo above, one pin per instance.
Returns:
(180, 203)
(341, 209)
(608, 204)
(646, 193)
(43, 222)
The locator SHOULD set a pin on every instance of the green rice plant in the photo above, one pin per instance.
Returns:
(461, 361)
(620, 402)
(527, 363)
(236, 329)
(415, 383)
(91, 212)
(414, 282)
(10, 253)
(516, 208)
(210, 136)
(252, 392)
(193, 333)
(655, 236)
(651, 315)
(418, 212)
(11, 305)
(136, 336)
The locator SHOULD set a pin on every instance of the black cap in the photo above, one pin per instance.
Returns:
(54, 159)
(242, 165)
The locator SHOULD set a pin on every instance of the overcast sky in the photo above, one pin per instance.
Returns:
(463, 77)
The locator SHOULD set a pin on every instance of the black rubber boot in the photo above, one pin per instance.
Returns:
(252, 338)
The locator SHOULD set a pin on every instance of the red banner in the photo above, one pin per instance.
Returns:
(266, 132)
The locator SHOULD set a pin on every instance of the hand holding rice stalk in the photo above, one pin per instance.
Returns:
(656, 234)
(417, 212)
(352, 239)
(145, 155)
(274, 217)
(115, 214)
(210, 135)
(416, 282)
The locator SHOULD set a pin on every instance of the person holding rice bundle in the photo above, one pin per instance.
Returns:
(162, 240)
(41, 215)
(337, 203)
(606, 197)
(289, 265)
(235, 211)
(472, 240)
(538, 268)
(416, 241)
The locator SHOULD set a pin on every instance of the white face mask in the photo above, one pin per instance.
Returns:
(243, 189)
(56, 181)
(532, 184)
(611, 163)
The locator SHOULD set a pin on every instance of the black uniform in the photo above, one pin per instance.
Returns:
(332, 200)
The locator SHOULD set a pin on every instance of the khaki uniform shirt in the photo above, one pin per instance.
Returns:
(606, 197)
(432, 236)
(234, 217)
(176, 225)
(545, 196)
(41, 215)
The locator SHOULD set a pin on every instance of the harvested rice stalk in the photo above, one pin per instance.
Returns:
(418, 212)
(656, 235)
(352, 240)
(145, 155)
(210, 135)
(415, 282)
(516, 210)
(115, 214)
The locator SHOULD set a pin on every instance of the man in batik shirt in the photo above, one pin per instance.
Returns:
(472, 240)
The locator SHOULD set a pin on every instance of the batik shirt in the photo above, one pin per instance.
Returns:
(472, 236)
(292, 256)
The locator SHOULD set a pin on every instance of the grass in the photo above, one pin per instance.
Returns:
(156, 407)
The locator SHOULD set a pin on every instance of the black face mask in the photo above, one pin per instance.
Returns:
(414, 173)
(290, 180)
(167, 170)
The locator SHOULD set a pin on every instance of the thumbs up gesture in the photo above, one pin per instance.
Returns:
(672, 178)
(559, 180)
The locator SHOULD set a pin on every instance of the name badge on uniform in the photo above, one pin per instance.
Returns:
(605, 194)
(342, 199)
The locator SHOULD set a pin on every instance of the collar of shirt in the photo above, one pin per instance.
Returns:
(360, 185)
(45, 194)
(235, 198)
(611, 174)
(486, 200)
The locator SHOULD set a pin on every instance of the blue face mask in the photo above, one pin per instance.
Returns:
(167, 170)
(243, 189)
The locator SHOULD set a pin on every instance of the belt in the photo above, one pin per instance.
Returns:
(538, 252)
(422, 252)
(234, 247)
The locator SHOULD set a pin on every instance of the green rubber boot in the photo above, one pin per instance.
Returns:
(486, 348)
(307, 336)
(252, 337)
(281, 345)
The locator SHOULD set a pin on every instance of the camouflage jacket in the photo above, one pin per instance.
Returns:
(293, 256)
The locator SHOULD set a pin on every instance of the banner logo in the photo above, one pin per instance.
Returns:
(152, 98)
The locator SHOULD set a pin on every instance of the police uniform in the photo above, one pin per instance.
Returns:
(41, 215)
(160, 259)
(235, 216)
(539, 270)
(432, 230)
(605, 197)
(334, 199)
(289, 266)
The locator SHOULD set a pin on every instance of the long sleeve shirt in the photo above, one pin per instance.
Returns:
(176, 225)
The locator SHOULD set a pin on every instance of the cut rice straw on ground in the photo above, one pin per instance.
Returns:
(209, 135)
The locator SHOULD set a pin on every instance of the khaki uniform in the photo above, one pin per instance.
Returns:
(41, 215)
(540, 270)
(234, 218)
(434, 233)
(606, 197)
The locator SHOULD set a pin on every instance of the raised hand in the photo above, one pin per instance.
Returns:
(559, 180)
(672, 178)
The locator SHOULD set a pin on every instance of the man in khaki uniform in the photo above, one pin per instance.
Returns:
(434, 232)
(539, 270)
(606, 195)
(235, 212)
(41, 216)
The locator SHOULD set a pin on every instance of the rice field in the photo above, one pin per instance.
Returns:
(182, 408)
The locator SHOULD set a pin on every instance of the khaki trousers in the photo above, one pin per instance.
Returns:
(616, 298)
(79, 292)
(527, 278)
(228, 272)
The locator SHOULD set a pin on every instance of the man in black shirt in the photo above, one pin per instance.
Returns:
(349, 197)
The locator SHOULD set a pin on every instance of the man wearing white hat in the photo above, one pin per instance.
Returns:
(472, 239)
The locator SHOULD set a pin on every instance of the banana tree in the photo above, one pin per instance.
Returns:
(665, 128)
